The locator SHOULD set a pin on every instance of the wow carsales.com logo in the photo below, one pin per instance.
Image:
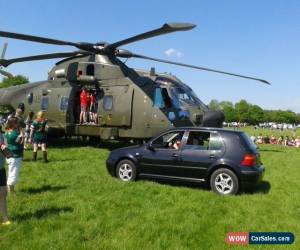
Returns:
(245, 238)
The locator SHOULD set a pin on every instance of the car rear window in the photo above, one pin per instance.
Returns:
(250, 144)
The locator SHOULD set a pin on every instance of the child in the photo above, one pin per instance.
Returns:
(92, 108)
(14, 141)
(39, 135)
(83, 106)
(28, 123)
(3, 189)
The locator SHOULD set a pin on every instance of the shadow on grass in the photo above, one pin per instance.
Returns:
(43, 213)
(263, 188)
(42, 189)
(74, 142)
(272, 150)
(195, 185)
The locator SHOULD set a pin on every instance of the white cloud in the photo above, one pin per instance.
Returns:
(173, 53)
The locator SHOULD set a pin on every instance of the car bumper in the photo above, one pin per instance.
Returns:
(251, 177)
(110, 166)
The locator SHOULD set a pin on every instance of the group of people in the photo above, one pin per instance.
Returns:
(281, 140)
(88, 107)
(19, 133)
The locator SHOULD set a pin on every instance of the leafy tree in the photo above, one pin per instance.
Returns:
(256, 114)
(214, 105)
(243, 111)
(13, 81)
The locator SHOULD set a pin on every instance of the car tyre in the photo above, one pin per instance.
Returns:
(224, 182)
(126, 170)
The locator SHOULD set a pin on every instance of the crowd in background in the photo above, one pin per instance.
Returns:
(281, 140)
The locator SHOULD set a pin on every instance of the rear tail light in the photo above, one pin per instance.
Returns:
(249, 160)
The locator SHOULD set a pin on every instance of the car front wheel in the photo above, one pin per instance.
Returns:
(225, 182)
(126, 170)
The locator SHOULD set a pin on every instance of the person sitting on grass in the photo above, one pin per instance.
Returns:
(3, 188)
(14, 141)
(273, 140)
(39, 135)
(280, 140)
(297, 142)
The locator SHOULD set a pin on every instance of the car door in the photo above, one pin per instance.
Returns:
(161, 158)
(199, 152)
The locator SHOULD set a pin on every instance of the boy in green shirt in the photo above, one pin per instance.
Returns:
(14, 140)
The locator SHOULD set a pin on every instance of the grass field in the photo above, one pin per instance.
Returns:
(72, 203)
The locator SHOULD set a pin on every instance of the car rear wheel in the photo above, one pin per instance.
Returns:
(126, 170)
(225, 182)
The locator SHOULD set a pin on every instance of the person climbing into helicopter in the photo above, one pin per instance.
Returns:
(83, 106)
(39, 136)
(92, 110)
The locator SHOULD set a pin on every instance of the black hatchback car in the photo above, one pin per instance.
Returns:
(227, 160)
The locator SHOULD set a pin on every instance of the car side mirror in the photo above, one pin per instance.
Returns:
(150, 146)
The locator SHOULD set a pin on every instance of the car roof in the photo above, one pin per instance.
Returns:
(208, 129)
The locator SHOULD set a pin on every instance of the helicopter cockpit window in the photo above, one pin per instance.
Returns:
(162, 98)
(44, 103)
(64, 103)
(108, 102)
(186, 96)
(90, 70)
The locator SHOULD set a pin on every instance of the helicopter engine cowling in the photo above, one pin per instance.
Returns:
(213, 119)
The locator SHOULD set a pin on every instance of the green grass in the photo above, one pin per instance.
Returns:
(72, 203)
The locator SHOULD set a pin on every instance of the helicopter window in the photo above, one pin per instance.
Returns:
(44, 103)
(158, 98)
(30, 98)
(64, 101)
(90, 70)
(108, 102)
(162, 98)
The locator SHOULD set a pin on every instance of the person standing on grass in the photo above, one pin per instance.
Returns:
(14, 142)
(28, 123)
(39, 136)
(3, 188)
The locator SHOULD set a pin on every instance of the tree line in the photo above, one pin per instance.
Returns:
(244, 111)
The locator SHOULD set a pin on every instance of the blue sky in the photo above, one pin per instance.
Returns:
(256, 38)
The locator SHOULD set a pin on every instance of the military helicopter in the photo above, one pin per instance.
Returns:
(133, 104)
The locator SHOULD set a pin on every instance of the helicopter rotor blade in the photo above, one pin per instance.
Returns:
(7, 62)
(198, 67)
(165, 29)
(39, 39)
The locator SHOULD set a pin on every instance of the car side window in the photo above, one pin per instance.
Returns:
(215, 142)
(172, 140)
(198, 140)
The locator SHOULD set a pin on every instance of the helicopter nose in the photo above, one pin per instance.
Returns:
(213, 119)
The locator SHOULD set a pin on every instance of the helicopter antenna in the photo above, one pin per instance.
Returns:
(3, 72)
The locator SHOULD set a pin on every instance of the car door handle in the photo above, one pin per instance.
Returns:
(175, 155)
(212, 156)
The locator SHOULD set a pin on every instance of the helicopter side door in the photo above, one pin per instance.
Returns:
(116, 106)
